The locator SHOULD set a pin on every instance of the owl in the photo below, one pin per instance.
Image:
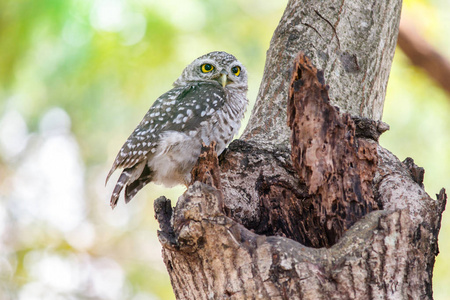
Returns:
(207, 103)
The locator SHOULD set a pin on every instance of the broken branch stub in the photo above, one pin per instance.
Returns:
(206, 170)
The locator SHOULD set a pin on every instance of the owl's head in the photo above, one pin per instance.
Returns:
(219, 67)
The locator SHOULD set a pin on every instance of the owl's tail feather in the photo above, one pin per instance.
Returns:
(110, 173)
(121, 182)
(129, 175)
(134, 187)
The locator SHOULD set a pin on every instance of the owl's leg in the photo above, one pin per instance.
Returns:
(135, 186)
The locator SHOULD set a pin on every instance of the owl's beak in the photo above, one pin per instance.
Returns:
(223, 78)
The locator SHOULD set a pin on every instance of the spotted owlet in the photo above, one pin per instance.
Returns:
(207, 103)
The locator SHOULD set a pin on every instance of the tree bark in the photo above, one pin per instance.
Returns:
(308, 205)
(352, 42)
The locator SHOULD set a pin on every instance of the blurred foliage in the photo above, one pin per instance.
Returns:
(101, 64)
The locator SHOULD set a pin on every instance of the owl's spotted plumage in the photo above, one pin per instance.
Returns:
(207, 104)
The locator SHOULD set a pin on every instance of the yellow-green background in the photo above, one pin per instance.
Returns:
(76, 76)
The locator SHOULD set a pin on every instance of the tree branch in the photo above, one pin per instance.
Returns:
(423, 55)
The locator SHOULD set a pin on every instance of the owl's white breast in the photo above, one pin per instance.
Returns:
(174, 158)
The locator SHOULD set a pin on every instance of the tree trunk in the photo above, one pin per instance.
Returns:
(308, 205)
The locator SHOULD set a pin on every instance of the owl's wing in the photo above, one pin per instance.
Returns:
(197, 103)
(181, 109)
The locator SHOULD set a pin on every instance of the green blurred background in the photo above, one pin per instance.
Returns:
(76, 76)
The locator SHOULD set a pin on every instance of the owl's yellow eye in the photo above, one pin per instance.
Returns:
(236, 70)
(206, 68)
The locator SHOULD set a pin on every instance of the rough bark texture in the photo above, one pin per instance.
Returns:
(332, 215)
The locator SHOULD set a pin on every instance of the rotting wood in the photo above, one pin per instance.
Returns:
(337, 168)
